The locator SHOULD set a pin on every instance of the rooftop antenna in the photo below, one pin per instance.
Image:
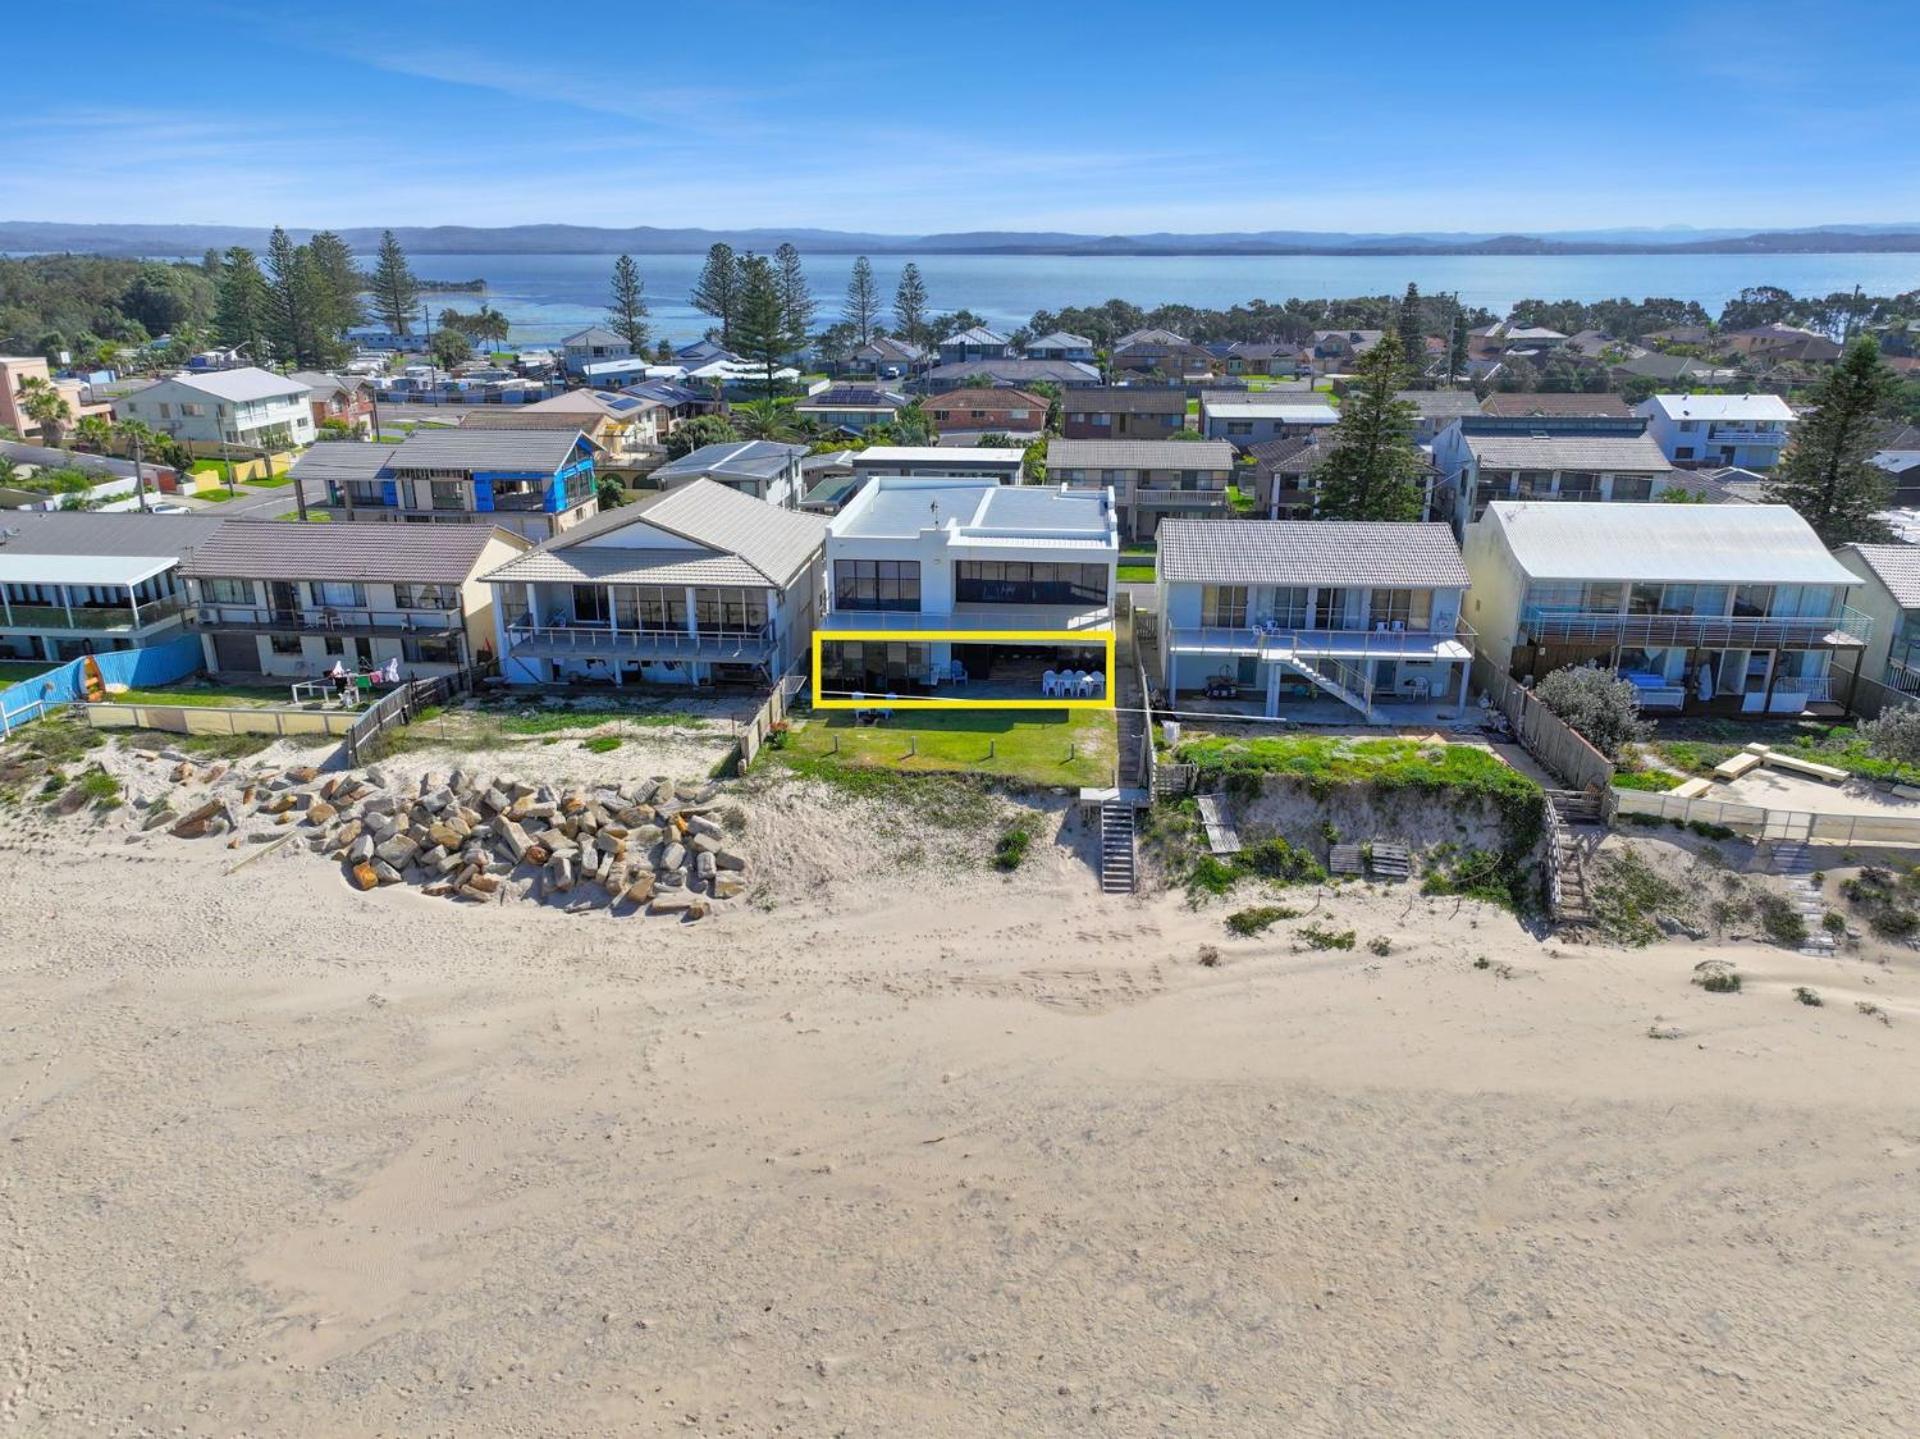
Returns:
(935, 507)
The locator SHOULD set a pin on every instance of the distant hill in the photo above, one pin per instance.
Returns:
(116, 239)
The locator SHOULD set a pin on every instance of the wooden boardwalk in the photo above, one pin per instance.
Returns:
(1222, 837)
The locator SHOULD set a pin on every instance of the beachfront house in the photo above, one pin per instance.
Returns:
(700, 585)
(296, 601)
(1707, 609)
(1318, 620)
(1888, 592)
(1529, 457)
(536, 483)
(250, 408)
(852, 409)
(1246, 418)
(1123, 412)
(73, 583)
(593, 345)
(1150, 480)
(1745, 431)
(764, 469)
(916, 557)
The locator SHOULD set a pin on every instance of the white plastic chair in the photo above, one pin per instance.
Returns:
(1049, 683)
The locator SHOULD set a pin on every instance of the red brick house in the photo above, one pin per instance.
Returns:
(988, 412)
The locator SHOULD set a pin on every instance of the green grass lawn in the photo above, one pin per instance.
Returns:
(1334, 759)
(213, 495)
(1032, 746)
(12, 674)
(202, 697)
(270, 482)
(1134, 574)
(1698, 745)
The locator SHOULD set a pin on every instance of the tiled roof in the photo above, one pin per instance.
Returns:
(270, 550)
(1552, 404)
(506, 450)
(1125, 400)
(1896, 566)
(743, 541)
(75, 532)
(996, 399)
(1631, 454)
(529, 417)
(1018, 372)
(1140, 454)
(1308, 552)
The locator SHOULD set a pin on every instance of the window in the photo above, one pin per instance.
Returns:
(1223, 606)
(735, 611)
(1632, 488)
(426, 597)
(1290, 609)
(1687, 427)
(1239, 427)
(1683, 452)
(227, 592)
(437, 650)
(335, 645)
(166, 412)
(1401, 609)
(449, 495)
(284, 644)
(1018, 583)
(876, 585)
(1752, 602)
(590, 605)
(339, 594)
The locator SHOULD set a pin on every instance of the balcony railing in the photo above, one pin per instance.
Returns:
(1846, 628)
(1745, 435)
(970, 615)
(324, 621)
(1270, 640)
(88, 617)
(1200, 499)
(751, 642)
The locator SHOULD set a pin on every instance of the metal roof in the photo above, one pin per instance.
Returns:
(978, 511)
(250, 383)
(1721, 407)
(593, 335)
(1140, 454)
(1707, 544)
(385, 553)
(542, 451)
(342, 461)
(1895, 566)
(978, 335)
(1441, 404)
(1018, 372)
(1309, 552)
(1253, 407)
(748, 459)
(1059, 340)
(1630, 454)
(741, 541)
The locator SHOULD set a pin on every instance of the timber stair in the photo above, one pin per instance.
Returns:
(1116, 848)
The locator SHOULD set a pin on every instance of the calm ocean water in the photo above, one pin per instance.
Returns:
(546, 296)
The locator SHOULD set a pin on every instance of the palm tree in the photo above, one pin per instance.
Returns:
(763, 420)
(46, 407)
(95, 432)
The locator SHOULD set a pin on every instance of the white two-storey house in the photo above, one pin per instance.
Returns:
(1748, 432)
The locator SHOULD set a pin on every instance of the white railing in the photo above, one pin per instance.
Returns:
(602, 639)
(1268, 639)
(1744, 435)
(1848, 626)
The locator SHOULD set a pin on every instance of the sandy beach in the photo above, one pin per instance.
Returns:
(902, 1146)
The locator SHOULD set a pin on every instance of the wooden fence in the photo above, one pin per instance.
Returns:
(1778, 825)
(1545, 736)
(747, 743)
(219, 719)
(398, 707)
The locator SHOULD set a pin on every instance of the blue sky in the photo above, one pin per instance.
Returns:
(910, 118)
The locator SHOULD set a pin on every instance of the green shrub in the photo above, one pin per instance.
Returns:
(1380, 945)
(1834, 923)
(1716, 977)
(601, 744)
(1807, 996)
(1276, 859)
(1320, 937)
(100, 787)
(1652, 780)
(1881, 898)
(1707, 830)
(1782, 922)
(1011, 847)
(1259, 918)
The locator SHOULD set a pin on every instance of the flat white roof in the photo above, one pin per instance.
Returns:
(1723, 407)
(935, 454)
(979, 512)
(1296, 411)
(29, 569)
(1705, 544)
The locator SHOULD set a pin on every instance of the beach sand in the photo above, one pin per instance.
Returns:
(904, 1147)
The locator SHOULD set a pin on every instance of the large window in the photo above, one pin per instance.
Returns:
(227, 592)
(736, 611)
(339, 594)
(1223, 606)
(1016, 582)
(1632, 488)
(427, 597)
(1753, 602)
(1401, 609)
(874, 667)
(1677, 599)
(876, 585)
(590, 605)
(1290, 609)
(650, 607)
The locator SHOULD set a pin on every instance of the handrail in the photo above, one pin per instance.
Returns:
(1729, 630)
(601, 637)
(89, 617)
(329, 619)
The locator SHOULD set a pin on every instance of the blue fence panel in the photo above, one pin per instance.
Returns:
(63, 684)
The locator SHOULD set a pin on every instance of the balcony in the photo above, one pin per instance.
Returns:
(1193, 499)
(723, 645)
(1846, 629)
(1744, 435)
(1270, 641)
(91, 618)
(257, 620)
(973, 616)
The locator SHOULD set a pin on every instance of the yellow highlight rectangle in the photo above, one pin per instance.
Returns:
(1079, 638)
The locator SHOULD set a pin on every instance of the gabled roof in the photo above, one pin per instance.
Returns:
(1150, 337)
(738, 540)
(995, 399)
(852, 397)
(544, 451)
(1441, 404)
(322, 383)
(418, 554)
(592, 402)
(978, 335)
(1895, 566)
(1628, 454)
(1125, 400)
(593, 335)
(1016, 372)
(1140, 454)
(1059, 340)
(76, 532)
(891, 347)
(749, 459)
(1704, 544)
(238, 386)
(1309, 552)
